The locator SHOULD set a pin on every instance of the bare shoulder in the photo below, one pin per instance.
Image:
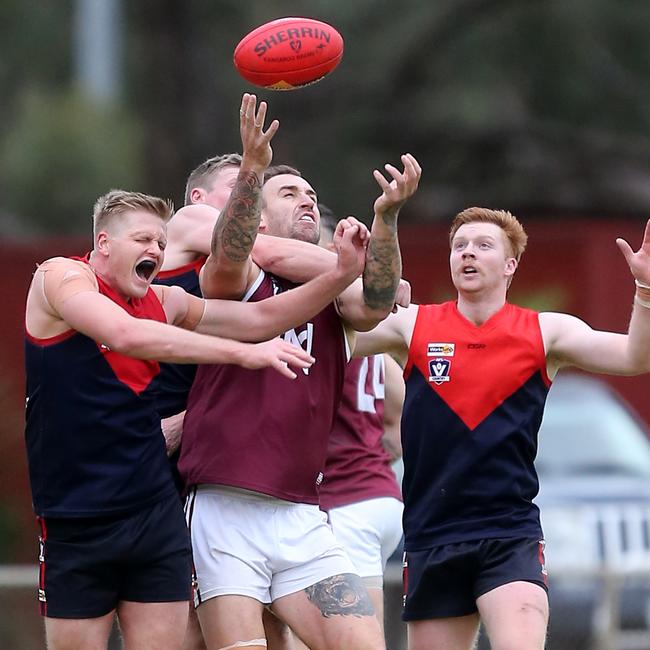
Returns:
(561, 332)
(174, 301)
(65, 264)
(55, 280)
(57, 271)
(552, 323)
(190, 216)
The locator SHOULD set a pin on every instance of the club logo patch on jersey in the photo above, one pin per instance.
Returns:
(303, 339)
(441, 349)
(439, 370)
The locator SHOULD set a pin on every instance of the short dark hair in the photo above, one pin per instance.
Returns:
(277, 170)
(202, 175)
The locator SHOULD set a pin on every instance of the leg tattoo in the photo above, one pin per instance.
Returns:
(343, 594)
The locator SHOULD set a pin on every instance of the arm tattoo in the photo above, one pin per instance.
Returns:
(235, 230)
(382, 272)
(343, 595)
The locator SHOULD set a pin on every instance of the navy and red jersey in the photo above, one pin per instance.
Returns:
(176, 379)
(475, 397)
(358, 467)
(258, 430)
(93, 437)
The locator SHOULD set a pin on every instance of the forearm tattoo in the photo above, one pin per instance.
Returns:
(235, 230)
(342, 595)
(382, 272)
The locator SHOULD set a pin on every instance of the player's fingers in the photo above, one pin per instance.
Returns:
(290, 351)
(362, 230)
(626, 249)
(244, 104)
(261, 115)
(349, 233)
(394, 172)
(353, 220)
(340, 227)
(409, 168)
(413, 163)
(283, 369)
(249, 112)
(381, 181)
(272, 130)
(364, 233)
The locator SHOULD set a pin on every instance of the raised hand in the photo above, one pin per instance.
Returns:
(277, 354)
(256, 142)
(639, 261)
(350, 242)
(396, 191)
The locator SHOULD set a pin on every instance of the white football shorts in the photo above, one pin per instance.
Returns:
(369, 531)
(249, 544)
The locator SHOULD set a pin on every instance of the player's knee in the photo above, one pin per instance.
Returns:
(365, 635)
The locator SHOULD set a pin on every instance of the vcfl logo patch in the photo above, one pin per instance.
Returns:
(439, 370)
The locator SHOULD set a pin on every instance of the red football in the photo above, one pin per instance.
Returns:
(288, 53)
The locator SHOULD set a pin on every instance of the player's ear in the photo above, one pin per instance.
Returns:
(197, 195)
(511, 266)
(101, 243)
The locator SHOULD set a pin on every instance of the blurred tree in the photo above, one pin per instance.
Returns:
(61, 154)
(539, 106)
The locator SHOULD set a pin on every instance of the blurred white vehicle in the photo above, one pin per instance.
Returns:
(594, 471)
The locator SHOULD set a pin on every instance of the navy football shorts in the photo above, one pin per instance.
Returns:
(88, 565)
(445, 581)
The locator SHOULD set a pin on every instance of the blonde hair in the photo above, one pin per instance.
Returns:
(115, 203)
(513, 230)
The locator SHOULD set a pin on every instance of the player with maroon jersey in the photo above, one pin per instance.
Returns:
(189, 235)
(477, 374)
(254, 448)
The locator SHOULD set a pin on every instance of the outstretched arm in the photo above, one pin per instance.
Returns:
(229, 268)
(64, 295)
(192, 229)
(383, 261)
(571, 342)
(254, 321)
(295, 260)
(392, 335)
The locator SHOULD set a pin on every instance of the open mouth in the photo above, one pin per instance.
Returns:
(468, 270)
(307, 217)
(145, 269)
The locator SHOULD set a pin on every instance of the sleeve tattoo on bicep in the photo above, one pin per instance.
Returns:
(343, 595)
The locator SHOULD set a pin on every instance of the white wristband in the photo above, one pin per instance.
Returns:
(641, 285)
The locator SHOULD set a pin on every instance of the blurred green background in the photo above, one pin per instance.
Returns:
(542, 106)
